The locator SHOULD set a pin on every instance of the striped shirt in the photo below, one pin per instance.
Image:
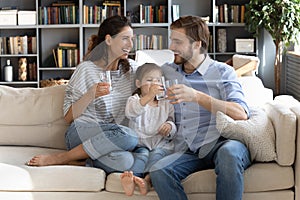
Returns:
(106, 109)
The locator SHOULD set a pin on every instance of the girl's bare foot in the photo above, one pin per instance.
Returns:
(142, 184)
(45, 160)
(128, 182)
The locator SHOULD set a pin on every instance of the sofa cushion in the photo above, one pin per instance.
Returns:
(158, 57)
(258, 178)
(16, 176)
(32, 116)
(256, 94)
(284, 122)
(257, 133)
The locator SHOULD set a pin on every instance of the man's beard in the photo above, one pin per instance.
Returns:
(182, 60)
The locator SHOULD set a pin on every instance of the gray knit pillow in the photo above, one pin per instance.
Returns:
(257, 133)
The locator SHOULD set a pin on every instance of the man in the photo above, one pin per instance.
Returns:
(205, 87)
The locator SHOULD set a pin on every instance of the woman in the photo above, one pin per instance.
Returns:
(95, 109)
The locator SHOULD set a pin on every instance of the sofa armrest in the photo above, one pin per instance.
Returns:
(296, 110)
(284, 122)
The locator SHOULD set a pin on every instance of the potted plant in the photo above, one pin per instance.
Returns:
(281, 18)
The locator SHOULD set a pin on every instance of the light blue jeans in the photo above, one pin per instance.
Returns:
(107, 145)
(144, 159)
(229, 158)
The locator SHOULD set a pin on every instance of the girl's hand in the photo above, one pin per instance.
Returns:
(100, 89)
(165, 129)
(155, 89)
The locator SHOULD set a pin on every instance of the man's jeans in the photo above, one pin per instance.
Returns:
(107, 145)
(229, 158)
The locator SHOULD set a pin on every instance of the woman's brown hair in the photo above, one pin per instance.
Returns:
(97, 46)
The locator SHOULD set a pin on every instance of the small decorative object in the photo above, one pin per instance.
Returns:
(53, 82)
(8, 72)
(222, 40)
(22, 69)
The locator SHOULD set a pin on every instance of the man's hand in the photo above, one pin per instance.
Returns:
(181, 93)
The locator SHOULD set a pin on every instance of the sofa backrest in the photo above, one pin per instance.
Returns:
(32, 116)
(158, 57)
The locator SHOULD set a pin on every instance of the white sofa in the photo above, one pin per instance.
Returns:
(31, 123)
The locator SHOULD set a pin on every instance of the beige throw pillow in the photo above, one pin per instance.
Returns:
(257, 133)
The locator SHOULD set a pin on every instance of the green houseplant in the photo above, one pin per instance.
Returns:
(281, 18)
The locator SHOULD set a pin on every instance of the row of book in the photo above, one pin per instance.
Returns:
(226, 13)
(148, 42)
(18, 45)
(66, 55)
(153, 14)
(97, 13)
(59, 13)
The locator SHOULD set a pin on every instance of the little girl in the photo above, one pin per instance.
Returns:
(153, 122)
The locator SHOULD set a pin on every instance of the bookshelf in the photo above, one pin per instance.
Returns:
(75, 21)
(233, 29)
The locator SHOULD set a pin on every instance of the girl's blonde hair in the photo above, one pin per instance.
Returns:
(142, 71)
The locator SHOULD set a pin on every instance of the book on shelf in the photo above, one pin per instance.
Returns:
(112, 3)
(64, 44)
(242, 15)
(152, 14)
(68, 14)
(226, 13)
(96, 14)
(32, 71)
(18, 45)
(66, 55)
(92, 14)
(63, 3)
(142, 41)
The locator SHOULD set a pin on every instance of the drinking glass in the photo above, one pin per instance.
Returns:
(169, 83)
(162, 95)
(106, 77)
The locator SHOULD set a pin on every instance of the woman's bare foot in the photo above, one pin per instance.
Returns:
(45, 160)
(64, 158)
(128, 182)
(142, 184)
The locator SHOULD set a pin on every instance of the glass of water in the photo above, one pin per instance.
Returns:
(106, 77)
(169, 83)
(162, 95)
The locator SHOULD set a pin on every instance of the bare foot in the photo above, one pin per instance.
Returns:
(45, 160)
(127, 182)
(142, 184)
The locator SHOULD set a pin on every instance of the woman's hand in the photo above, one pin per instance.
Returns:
(100, 89)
